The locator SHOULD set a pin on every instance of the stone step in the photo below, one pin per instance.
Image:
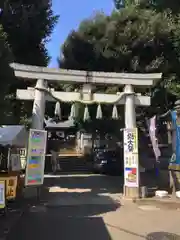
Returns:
(71, 164)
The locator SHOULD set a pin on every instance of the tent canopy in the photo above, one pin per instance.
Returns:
(13, 135)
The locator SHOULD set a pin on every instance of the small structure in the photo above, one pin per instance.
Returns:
(11, 139)
(61, 136)
(13, 135)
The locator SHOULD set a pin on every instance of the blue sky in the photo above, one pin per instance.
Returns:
(71, 14)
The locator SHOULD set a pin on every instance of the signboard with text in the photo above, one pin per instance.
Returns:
(23, 154)
(36, 158)
(11, 186)
(2, 195)
(131, 171)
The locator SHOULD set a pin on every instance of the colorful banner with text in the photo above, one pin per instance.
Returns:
(131, 170)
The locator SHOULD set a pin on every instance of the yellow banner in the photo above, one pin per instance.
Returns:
(11, 186)
(34, 166)
(2, 195)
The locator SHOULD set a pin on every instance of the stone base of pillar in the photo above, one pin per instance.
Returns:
(131, 193)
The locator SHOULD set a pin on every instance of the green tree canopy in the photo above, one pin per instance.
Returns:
(5, 57)
(119, 4)
(159, 5)
(28, 25)
(6, 74)
(132, 40)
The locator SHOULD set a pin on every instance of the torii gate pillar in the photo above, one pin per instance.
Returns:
(130, 123)
(130, 114)
(38, 106)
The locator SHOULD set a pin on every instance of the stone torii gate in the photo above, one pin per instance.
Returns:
(41, 93)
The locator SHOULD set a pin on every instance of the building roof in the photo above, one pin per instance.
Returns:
(13, 135)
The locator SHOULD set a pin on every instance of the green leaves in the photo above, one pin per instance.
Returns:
(132, 40)
(158, 5)
(118, 4)
(135, 39)
(6, 75)
(27, 26)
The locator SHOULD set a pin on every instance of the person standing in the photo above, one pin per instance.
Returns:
(54, 161)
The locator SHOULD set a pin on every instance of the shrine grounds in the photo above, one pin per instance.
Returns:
(87, 206)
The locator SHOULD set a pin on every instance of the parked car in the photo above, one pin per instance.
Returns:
(107, 161)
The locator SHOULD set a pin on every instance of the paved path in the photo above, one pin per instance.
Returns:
(90, 207)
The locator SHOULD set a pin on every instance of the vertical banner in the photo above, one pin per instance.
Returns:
(152, 133)
(2, 194)
(175, 159)
(11, 186)
(36, 158)
(131, 159)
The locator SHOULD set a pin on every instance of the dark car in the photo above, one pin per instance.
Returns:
(107, 161)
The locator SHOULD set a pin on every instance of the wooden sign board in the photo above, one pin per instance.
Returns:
(2, 194)
(11, 186)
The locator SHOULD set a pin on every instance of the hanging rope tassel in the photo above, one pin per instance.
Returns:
(99, 114)
(115, 113)
(72, 115)
(57, 110)
(86, 114)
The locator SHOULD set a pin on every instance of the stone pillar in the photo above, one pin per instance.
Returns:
(38, 106)
(130, 122)
(130, 114)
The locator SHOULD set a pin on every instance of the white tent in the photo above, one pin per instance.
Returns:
(13, 135)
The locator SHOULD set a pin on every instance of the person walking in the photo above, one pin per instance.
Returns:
(54, 161)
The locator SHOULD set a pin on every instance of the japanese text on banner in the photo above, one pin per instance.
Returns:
(130, 140)
(131, 160)
(131, 172)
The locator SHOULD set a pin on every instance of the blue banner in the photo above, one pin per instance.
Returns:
(175, 159)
